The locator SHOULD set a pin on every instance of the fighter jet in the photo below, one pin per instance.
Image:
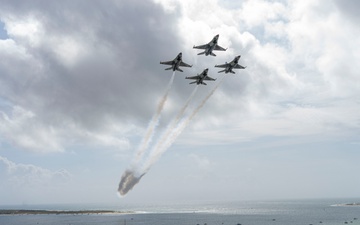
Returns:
(176, 63)
(230, 66)
(200, 78)
(211, 46)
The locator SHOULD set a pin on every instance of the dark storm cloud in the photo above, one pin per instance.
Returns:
(118, 76)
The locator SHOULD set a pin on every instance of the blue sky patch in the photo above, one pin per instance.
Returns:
(3, 33)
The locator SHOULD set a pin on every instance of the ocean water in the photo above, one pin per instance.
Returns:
(304, 212)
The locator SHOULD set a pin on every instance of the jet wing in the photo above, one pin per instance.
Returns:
(222, 66)
(208, 78)
(185, 64)
(219, 48)
(193, 78)
(239, 67)
(167, 63)
(201, 46)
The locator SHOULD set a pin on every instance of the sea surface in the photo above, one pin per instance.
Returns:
(296, 212)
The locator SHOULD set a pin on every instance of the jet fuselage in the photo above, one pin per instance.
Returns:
(212, 44)
(176, 63)
(228, 67)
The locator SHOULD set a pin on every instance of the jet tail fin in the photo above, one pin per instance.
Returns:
(212, 54)
(201, 53)
(168, 68)
(203, 83)
(178, 69)
(193, 82)
(232, 72)
(221, 71)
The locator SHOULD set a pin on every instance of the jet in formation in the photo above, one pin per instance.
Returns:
(199, 79)
(176, 63)
(210, 47)
(231, 65)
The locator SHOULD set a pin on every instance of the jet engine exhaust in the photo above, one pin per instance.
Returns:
(169, 139)
(161, 141)
(153, 123)
(130, 178)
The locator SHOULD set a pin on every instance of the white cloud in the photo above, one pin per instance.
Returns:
(87, 75)
(75, 75)
(258, 12)
(25, 29)
(27, 175)
(22, 129)
(202, 162)
(300, 77)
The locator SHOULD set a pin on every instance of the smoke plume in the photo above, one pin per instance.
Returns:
(128, 180)
(169, 139)
(153, 124)
(132, 176)
(174, 122)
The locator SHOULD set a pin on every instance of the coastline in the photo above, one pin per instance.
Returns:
(58, 212)
(99, 209)
(347, 204)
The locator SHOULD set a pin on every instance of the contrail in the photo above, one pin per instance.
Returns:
(132, 176)
(171, 126)
(153, 124)
(182, 110)
(171, 137)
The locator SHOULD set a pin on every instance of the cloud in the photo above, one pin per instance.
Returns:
(86, 75)
(28, 175)
(23, 130)
(202, 162)
(80, 73)
(348, 8)
(299, 79)
(77, 69)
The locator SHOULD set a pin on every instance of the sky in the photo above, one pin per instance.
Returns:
(80, 82)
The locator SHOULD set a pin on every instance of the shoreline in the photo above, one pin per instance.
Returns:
(348, 204)
(58, 212)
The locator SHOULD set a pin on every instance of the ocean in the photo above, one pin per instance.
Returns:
(296, 212)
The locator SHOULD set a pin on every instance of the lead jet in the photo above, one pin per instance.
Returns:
(176, 63)
(210, 47)
(200, 78)
(231, 65)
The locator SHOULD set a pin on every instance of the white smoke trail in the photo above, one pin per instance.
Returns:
(171, 136)
(152, 125)
(182, 110)
(172, 124)
(133, 175)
